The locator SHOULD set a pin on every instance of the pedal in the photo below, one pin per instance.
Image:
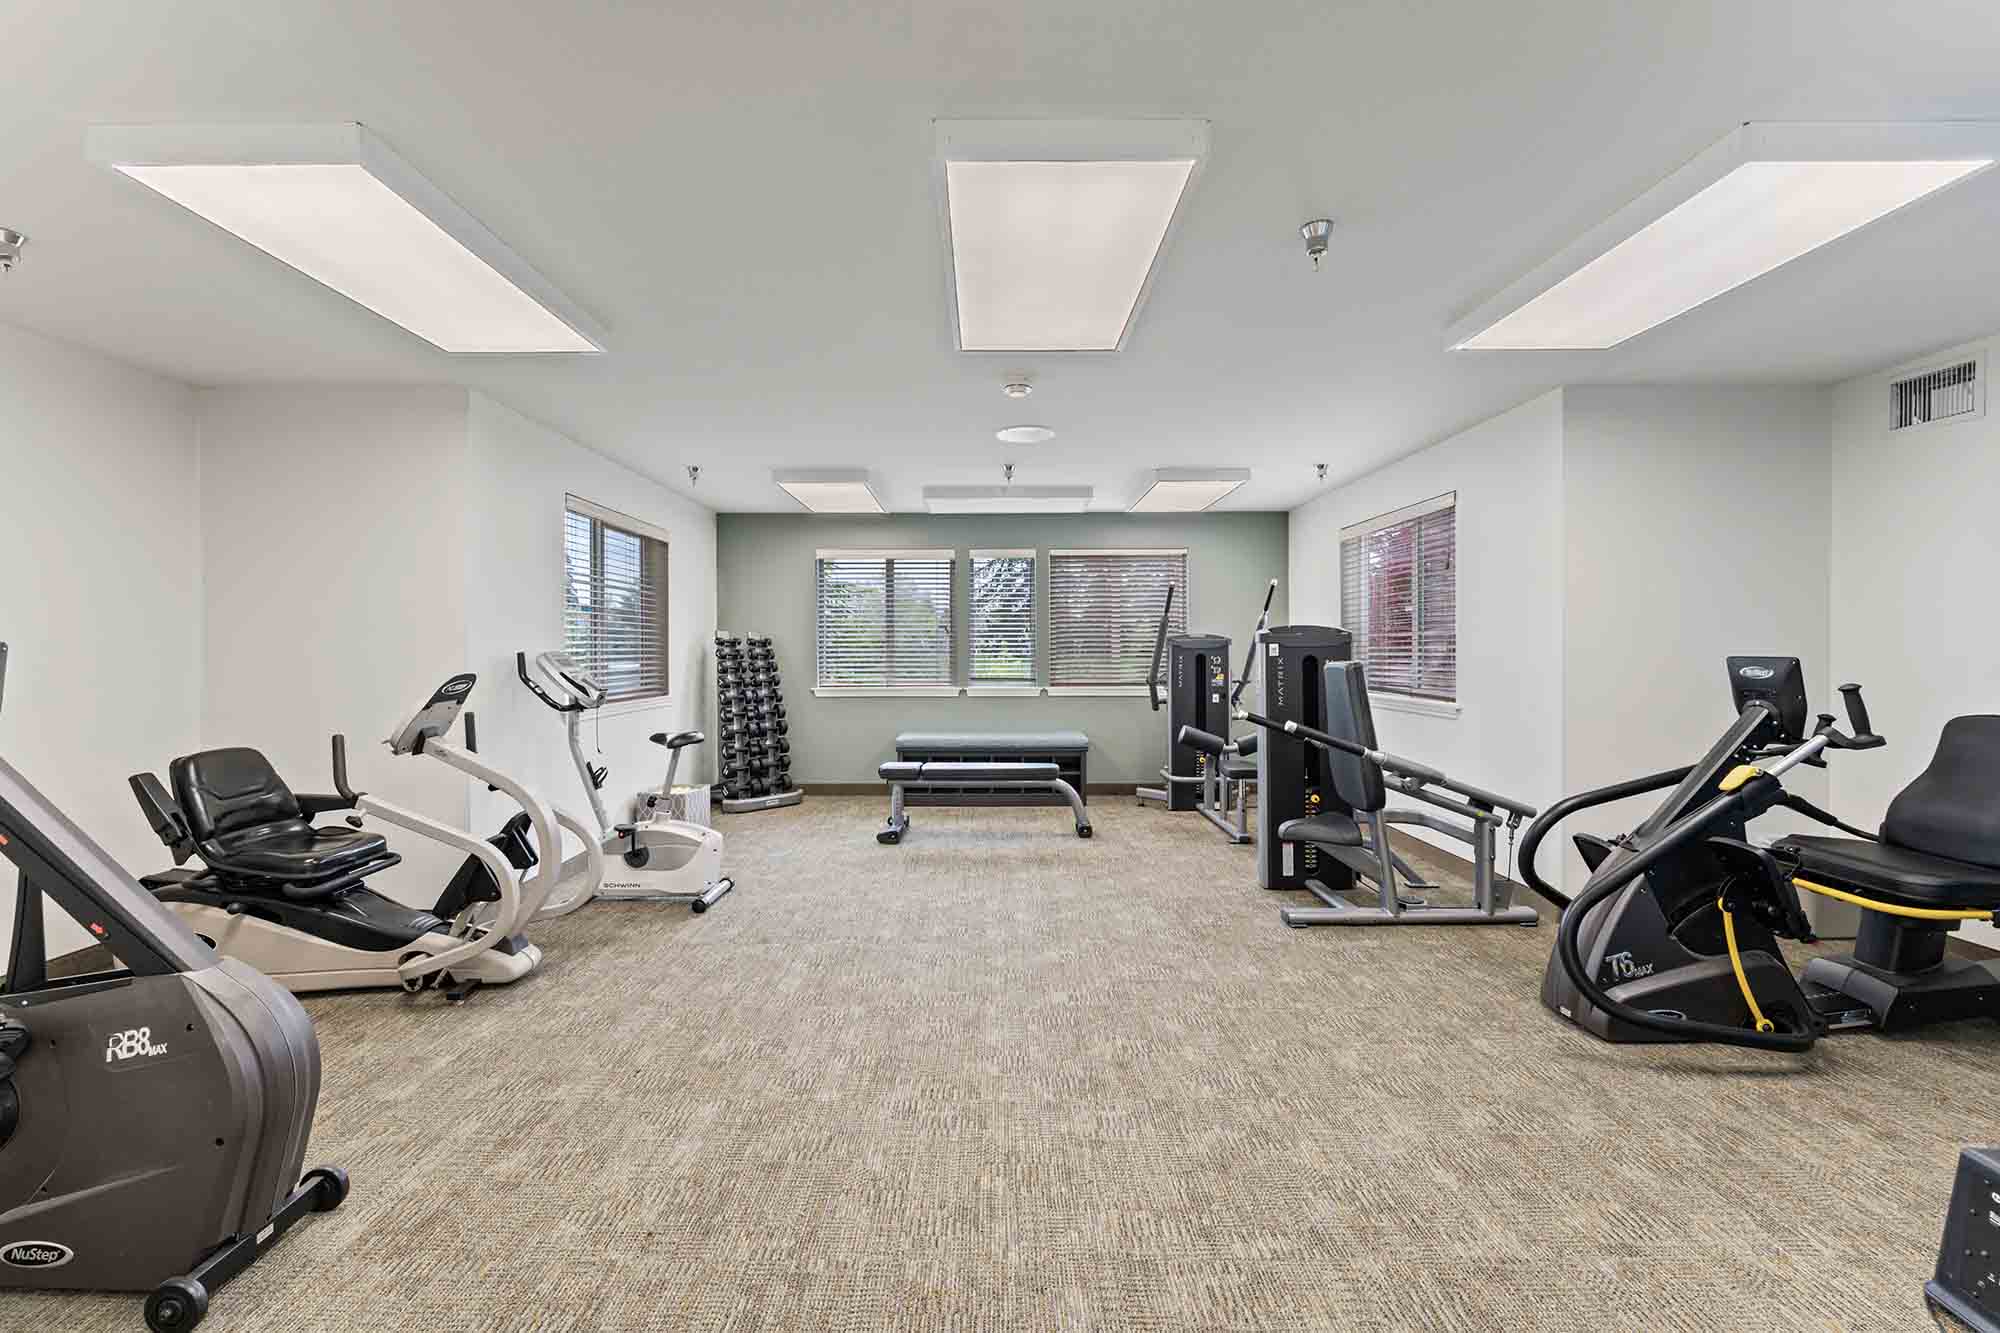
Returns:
(1408, 903)
(1837, 1010)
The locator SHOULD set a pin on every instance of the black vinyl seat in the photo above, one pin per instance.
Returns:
(1895, 874)
(679, 740)
(1940, 842)
(1328, 828)
(246, 821)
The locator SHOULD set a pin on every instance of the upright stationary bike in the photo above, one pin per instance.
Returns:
(659, 860)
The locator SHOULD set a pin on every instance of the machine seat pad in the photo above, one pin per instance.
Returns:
(296, 850)
(1237, 768)
(1895, 874)
(1328, 828)
(679, 740)
(942, 770)
(992, 742)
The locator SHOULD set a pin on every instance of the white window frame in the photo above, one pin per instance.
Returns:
(1396, 701)
(886, 691)
(1104, 691)
(576, 504)
(1037, 672)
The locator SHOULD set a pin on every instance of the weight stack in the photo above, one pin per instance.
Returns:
(756, 755)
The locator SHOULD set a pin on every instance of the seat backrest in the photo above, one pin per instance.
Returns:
(227, 791)
(1950, 810)
(1356, 781)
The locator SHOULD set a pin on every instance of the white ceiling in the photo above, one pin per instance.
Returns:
(742, 193)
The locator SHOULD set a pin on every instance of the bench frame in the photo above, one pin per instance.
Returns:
(937, 777)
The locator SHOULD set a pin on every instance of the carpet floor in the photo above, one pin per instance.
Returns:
(1002, 1079)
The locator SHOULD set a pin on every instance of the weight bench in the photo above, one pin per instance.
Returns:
(906, 774)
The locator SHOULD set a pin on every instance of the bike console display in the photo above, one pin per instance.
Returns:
(1779, 683)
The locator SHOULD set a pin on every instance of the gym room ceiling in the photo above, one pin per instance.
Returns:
(743, 196)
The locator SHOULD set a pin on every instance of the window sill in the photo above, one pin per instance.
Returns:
(1098, 691)
(1403, 703)
(885, 691)
(996, 690)
(621, 707)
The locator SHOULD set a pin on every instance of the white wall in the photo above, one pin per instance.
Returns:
(334, 524)
(100, 587)
(1697, 523)
(1508, 474)
(1915, 550)
(517, 477)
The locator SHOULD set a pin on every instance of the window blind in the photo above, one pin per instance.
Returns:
(1104, 610)
(1399, 598)
(1003, 617)
(615, 600)
(884, 619)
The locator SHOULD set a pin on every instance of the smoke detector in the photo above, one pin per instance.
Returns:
(11, 245)
(1017, 388)
(1318, 233)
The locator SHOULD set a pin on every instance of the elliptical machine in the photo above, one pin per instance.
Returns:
(155, 1101)
(659, 860)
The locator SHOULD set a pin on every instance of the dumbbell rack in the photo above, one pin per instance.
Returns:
(756, 754)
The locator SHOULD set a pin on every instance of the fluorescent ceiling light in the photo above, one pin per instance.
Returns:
(831, 490)
(333, 202)
(1056, 227)
(1185, 490)
(1758, 199)
(1007, 499)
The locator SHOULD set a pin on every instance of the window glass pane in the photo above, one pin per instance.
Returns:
(615, 605)
(884, 621)
(1399, 598)
(1003, 618)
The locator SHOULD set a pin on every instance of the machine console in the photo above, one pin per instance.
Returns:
(436, 717)
(572, 676)
(1779, 682)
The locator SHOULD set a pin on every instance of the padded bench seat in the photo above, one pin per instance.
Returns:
(1896, 874)
(1067, 750)
(944, 770)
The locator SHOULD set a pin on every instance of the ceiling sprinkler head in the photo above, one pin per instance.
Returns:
(11, 245)
(1007, 471)
(694, 474)
(1321, 469)
(1017, 388)
(1317, 233)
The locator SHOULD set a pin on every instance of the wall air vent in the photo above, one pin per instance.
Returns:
(1943, 393)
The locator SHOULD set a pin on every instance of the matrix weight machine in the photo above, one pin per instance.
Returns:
(1199, 695)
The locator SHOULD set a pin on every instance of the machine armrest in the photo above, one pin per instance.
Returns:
(314, 804)
(164, 814)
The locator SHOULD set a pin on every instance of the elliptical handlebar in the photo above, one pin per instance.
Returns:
(1159, 651)
(1531, 841)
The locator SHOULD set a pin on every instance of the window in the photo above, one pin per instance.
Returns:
(1104, 611)
(1003, 618)
(615, 599)
(885, 620)
(1399, 598)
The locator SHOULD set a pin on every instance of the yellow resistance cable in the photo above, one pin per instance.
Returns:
(1761, 1023)
(1893, 909)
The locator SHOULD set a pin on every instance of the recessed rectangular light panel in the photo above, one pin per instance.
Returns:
(831, 490)
(1760, 198)
(1007, 499)
(333, 202)
(1056, 228)
(1188, 490)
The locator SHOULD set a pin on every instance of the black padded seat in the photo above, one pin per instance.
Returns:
(1235, 767)
(1328, 828)
(1894, 874)
(245, 819)
(679, 740)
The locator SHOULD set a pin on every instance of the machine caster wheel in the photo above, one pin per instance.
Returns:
(176, 1305)
(888, 837)
(1083, 830)
(329, 1187)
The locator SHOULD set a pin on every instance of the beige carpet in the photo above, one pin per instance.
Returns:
(998, 1078)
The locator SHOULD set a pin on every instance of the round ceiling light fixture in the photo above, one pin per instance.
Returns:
(1024, 435)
